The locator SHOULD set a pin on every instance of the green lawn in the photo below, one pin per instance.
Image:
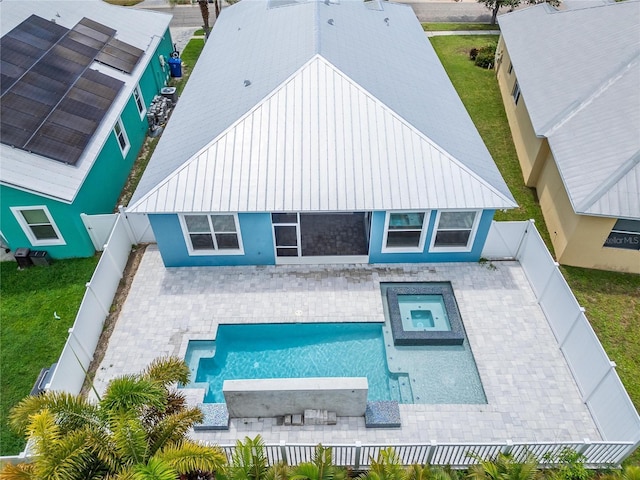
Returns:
(189, 57)
(455, 27)
(611, 300)
(30, 336)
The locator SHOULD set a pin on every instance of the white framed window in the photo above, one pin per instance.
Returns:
(624, 234)
(212, 234)
(139, 99)
(38, 225)
(516, 92)
(404, 231)
(455, 230)
(121, 136)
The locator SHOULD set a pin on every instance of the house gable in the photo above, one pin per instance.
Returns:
(320, 142)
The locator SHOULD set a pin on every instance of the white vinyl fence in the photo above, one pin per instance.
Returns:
(594, 373)
(359, 456)
(78, 351)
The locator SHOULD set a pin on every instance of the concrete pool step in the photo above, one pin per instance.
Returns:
(400, 388)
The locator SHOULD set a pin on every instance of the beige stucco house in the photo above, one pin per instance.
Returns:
(570, 83)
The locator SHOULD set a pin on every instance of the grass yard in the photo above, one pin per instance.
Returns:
(189, 57)
(611, 300)
(30, 336)
(455, 27)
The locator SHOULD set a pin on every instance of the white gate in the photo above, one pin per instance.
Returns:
(99, 227)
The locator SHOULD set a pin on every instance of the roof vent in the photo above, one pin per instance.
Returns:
(247, 83)
(386, 20)
(330, 21)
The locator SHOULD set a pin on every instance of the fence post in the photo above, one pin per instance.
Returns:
(431, 452)
(612, 366)
(95, 295)
(507, 447)
(547, 283)
(573, 325)
(127, 227)
(583, 448)
(524, 235)
(356, 465)
(112, 261)
(283, 452)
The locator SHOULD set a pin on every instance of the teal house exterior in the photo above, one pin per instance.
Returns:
(333, 135)
(80, 77)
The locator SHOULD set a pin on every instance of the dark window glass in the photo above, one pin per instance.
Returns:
(398, 238)
(287, 252)
(201, 241)
(286, 236)
(44, 232)
(227, 241)
(284, 218)
(452, 238)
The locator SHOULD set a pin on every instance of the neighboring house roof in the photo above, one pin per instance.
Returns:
(579, 75)
(346, 107)
(48, 177)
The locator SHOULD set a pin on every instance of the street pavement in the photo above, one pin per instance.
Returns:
(186, 16)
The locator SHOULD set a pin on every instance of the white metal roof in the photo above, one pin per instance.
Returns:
(374, 102)
(296, 151)
(143, 29)
(579, 75)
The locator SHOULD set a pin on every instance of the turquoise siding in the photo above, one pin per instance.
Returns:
(103, 185)
(377, 235)
(257, 241)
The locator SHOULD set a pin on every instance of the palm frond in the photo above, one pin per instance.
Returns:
(129, 392)
(44, 431)
(631, 472)
(68, 458)
(248, 461)
(279, 471)
(21, 471)
(70, 411)
(167, 370)
(155, 469)
(188, 456)
(173, 428)
(130, 439)
(175, 402)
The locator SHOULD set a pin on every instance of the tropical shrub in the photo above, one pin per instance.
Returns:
(136, 430)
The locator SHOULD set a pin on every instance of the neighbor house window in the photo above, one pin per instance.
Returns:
(455, 230)
(38, 225)
(625, 234)
(404, 231)
(137, 96)
(516, 92)
(510, 68)
(121, 136)
(212, 234)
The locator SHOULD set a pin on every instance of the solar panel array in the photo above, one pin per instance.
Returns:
(52, 102)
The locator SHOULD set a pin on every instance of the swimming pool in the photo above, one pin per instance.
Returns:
(417, 374)
(292, 351)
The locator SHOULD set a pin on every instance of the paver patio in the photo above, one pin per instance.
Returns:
(530, 392)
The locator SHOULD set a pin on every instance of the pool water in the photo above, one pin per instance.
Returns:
(423, 312)
(295, 351)
(419, 374)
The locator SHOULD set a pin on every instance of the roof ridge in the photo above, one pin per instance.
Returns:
(614, 178)
(572, 110)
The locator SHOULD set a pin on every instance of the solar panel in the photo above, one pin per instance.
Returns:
(120, 55)
(52, 103)
(23, 46)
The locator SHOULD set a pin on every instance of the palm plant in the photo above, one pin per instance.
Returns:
(136, 430)
(248, 461)
(504, 467)
(427, 472)
(386, 467)
(321, 468)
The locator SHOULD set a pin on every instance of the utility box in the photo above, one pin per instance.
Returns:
(169, 93)
(22, 257)
(40, 257)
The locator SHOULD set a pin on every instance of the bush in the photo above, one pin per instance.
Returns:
(473, 53)
(484, 56)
